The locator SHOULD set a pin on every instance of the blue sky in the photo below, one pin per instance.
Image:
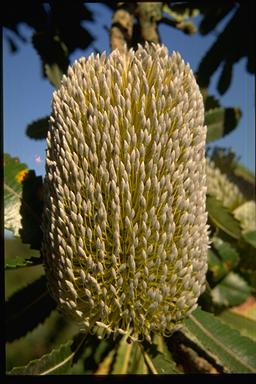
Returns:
(27, 96)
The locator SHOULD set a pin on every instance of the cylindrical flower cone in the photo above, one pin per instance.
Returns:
(125, 233)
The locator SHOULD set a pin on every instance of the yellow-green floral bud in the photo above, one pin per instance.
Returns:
(220, 187)
(125, 222)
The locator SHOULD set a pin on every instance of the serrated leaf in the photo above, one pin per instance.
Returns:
(232, 290)
(221, 121)
(235, 352)
(222, 218)
(157, 362)
(21, 262)
(38, 129)
(14, 172)
(56, 362)
(19, 255)
(27, 308)
(246, 326)
(122, 357)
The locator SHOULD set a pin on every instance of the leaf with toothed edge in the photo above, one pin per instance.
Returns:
(58, 361)
(235, 352)
(27, 308)
(21, 262)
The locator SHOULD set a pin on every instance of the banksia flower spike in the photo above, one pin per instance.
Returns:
(125, 233)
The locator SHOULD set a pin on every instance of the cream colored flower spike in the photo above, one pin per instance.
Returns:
(125, 233)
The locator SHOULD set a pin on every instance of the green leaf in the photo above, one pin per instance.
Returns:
(104, 367)
(27, 308)
(222, 218)
(122, 357)
(54, 74)
(56, 362)
(21, 262)
(14, 173)
(18, 255)
(54, 54)
(157, 362)
(246, 326)
(221, 121)
(245, 173)
(235, 352)
(31, 210)
(93, 352)
(38, 129)
(210, 102)
(137, 363)
(221, 259)
(250, 238)
(233, 290)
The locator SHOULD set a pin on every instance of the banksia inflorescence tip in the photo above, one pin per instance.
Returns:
(125, 233)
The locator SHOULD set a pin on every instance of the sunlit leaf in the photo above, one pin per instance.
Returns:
(245, 326)
(21, 262)
(122, 357)
(232, 290)
(105, 366)
(221, 121)
(137, 363)
(235, 352)
(222, 218)
(54, 74)
(250, 237)
(18, 254)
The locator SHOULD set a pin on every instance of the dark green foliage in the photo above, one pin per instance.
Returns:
(38, 129)
(27, 308)
(222, 258)
(221, 121)
(51, 23)
(224, 51)
(31, 210)
(157, 362)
